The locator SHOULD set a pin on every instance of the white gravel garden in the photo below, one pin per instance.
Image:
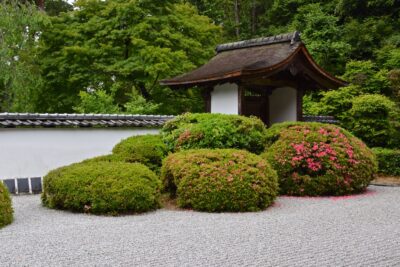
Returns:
(211, 163)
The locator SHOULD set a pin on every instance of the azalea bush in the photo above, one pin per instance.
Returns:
(219, 180)
(6, 210)
(388, 161)
(191, 131)
(102, 188)
(320, 159)
(146, 149)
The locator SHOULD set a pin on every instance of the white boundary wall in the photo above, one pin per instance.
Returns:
(283, 105)
(32, 152)
(225, 99)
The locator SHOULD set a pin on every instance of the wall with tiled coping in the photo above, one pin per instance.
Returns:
(33, 152)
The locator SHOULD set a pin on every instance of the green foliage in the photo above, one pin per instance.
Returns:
(207, 130)
(6, 210)
(124, 47)
(55, 7)
(102, 188)
(368, 77)
(388, 161)
(321, 34)
(374, 119)
(139, 105)
(96, 102)
(20, 79)
(364, 35)
(146, 149)
(367, 7)
(320, 159)
(220, 180)
(240, 19)
(334, 103)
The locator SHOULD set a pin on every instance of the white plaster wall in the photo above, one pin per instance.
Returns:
(225, 99)
(283, 105)
(34, 152)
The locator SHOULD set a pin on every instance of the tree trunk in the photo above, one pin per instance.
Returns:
(40, 4)
(142, 88)
(237, 18)
(254, 17)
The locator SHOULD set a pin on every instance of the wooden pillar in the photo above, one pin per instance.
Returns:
(268, 110)
(241, 91)
(300, 94)
(207, 98)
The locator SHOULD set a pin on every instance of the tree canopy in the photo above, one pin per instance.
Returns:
(124, 48)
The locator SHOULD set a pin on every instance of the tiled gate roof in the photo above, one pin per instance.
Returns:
(12, 120)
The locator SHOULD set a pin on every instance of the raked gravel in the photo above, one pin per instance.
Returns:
(362, 230)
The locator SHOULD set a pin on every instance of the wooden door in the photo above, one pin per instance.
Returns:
(256, 104)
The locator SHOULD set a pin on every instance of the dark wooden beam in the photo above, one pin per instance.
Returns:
(241, 91)
(206, 93)
(268, 82)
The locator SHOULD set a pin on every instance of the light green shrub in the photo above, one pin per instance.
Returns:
(220, 180)
(102, 188)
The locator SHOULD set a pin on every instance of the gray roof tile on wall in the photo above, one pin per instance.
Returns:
(12, 120)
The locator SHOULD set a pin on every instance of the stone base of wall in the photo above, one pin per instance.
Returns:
(29, 185)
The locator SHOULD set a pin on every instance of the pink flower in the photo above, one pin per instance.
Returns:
(323, 131)
(299, 148)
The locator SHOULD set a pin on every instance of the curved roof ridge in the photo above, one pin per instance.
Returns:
(286, 37)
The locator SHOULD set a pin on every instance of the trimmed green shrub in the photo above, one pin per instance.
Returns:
(102, 188)
(146, 149)
(191, 131)
(320, 159)
(219, 180)
(374, 119)
(273, 133)
(6, 210)
(388, 161)
(105, 158)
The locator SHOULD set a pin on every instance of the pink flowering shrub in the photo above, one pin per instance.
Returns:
(320, 159)
(219, 180)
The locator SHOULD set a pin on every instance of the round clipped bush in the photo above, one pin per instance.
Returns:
(320, 159)
(6, 210)
(102, 188)
(219, 180)
(146, 149)
(192, 131)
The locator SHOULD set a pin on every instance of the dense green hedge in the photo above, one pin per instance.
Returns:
(388, 161)
(320, 159)
(102, 188)
(146, 149)
(220, 180)
(191, 131)
(6, 210)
